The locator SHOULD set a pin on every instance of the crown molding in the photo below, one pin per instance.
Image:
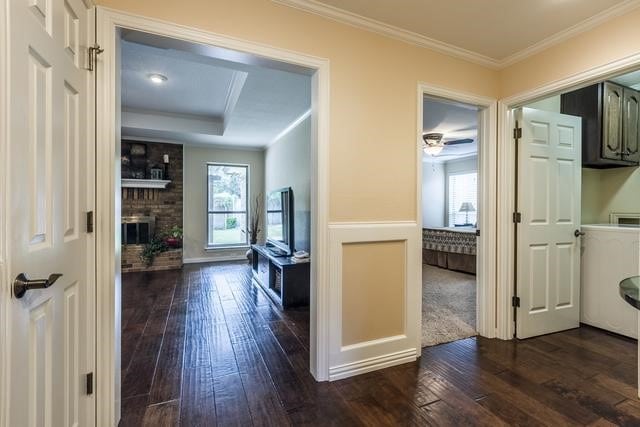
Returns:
(359, 21)
(581, 27)
(355, 20)
(291, 126)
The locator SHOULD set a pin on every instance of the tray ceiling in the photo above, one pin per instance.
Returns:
(207, 99)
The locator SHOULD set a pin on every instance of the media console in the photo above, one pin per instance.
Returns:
(286, 282)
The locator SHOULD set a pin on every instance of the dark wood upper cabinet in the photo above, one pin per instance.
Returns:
(610, 124)
(631, 125)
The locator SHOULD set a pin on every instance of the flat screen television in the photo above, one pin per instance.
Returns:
(280, 220)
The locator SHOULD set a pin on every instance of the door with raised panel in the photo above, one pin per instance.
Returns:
(50, 189)
(612, 121)
(631, 125)
(548, 198)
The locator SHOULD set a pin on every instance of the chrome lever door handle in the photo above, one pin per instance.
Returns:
(578, 233)
(22, 283)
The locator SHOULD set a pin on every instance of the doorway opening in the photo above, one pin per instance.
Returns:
(239, 285)
(450, 212)
(486, 315)
(577, 232)
(215, 228)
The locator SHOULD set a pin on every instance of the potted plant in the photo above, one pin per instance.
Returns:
(173, 238)
(254, 223)
(155, 247)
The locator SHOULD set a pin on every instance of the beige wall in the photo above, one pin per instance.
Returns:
(287, 163)
(369, 287)
(373, 93)
(195, 196)
(591, 188)
(609, 191)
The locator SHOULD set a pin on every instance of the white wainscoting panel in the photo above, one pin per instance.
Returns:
(361, 357)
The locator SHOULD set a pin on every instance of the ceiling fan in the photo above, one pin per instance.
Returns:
(433, 143)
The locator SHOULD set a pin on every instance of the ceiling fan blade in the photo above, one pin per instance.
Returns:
(459, 141)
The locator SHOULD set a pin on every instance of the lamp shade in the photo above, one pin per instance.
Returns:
(467, 207)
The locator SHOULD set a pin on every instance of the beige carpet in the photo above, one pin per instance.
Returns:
(448, 305)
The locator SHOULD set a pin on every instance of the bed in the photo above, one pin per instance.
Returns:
(450, 248)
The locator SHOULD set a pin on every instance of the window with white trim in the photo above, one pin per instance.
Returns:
(227, 195)
(462, 196)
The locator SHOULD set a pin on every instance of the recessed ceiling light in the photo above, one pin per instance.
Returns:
(157, 78)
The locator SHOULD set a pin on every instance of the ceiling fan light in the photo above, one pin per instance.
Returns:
(433, 150)
(157, 78)
(432, 138)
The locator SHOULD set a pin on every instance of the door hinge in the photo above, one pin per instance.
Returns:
(94, 51)
(515, 301)
(478, 232)
(517, 217)
(90, 383)
(90, 222)
(517, 133)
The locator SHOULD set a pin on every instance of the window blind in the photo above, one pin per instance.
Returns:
(463, 188)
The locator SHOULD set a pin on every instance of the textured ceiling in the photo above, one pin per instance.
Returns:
(206, 99)
(455, 121)
(496, 29)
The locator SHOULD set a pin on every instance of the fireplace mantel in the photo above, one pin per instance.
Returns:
(144, 183)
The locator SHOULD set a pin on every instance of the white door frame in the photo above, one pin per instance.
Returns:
(5, 280)
(507, 174)
(108, 186)
(487, 202)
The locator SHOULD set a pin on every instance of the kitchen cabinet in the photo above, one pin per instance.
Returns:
(631, 125)
(610, 124)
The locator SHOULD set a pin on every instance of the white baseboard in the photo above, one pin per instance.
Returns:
(215, 259)
(367, 365)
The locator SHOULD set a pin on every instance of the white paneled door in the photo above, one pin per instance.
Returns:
(548, 247)
(51, 182)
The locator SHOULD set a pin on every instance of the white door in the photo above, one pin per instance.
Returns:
(50, 189)
(548, 251)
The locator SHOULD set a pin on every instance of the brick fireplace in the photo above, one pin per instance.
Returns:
(150, 211)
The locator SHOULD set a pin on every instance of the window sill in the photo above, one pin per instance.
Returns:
(225, 248)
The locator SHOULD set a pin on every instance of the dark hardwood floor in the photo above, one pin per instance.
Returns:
(202, 347)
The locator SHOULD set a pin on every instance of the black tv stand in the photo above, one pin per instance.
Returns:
(275, 251)
(284, 281)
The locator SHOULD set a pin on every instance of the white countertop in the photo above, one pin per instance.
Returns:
(631, 228)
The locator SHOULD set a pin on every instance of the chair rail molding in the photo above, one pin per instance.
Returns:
(108, 187)
(361, 357)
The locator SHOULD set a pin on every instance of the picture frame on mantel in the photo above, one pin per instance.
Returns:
(156, 173)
